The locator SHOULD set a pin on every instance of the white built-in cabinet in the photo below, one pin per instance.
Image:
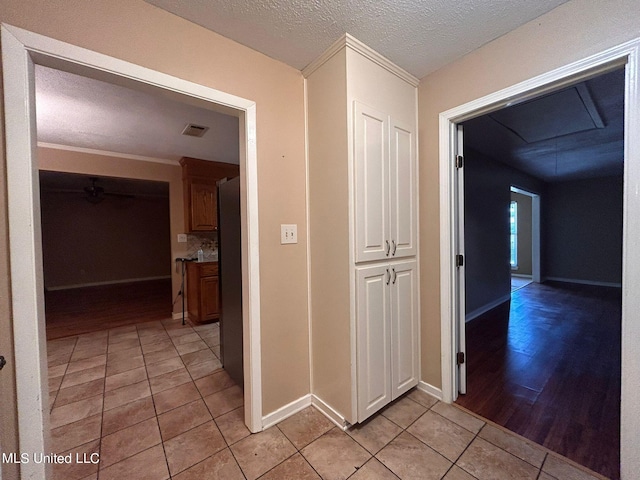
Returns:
(363, 231)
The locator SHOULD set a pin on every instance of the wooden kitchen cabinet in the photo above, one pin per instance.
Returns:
(199, 178)
(203, 301)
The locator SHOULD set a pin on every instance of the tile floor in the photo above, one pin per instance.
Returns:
(152, 400)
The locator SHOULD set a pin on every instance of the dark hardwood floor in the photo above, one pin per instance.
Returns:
(89, 309)
(547, 366)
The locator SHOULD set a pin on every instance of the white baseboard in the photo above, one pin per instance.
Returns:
(584, 282)
(178, 315)
(522, 275)
(485, 308)
(329, 412)
(285, 412)
(110, 282)
(430, 389)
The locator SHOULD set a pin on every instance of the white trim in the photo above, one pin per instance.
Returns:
(19, 48)
(584, 282)
(329, 412)
(107, 153)
(521, 275)
(178, 315)
(285, 412)
(430, 389)
(485, 308)
(626, 53)
(108, 282)
(356, 45)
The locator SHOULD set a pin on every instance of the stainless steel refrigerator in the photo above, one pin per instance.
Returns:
(230, 275)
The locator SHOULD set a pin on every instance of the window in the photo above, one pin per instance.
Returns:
(513, 233)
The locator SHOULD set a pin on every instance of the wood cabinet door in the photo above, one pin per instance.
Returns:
(209, 298)
(403, 217)
(371, 144)
(404, 327)
(203, 214)
(373, 339)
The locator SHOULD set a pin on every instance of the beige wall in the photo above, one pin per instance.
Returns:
(570, 32)
(137, 32)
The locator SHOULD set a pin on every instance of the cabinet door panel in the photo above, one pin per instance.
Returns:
(371, 135)
(373, 340)
(204, 216)
(404, 327)
(209, 298)
(403, 217)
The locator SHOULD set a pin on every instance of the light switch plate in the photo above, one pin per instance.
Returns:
(182, 238)
(288, 234)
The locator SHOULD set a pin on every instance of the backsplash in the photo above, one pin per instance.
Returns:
(207, 241)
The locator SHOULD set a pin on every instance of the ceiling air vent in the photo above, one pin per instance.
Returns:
(194, 130)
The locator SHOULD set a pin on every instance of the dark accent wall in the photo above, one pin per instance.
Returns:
(583, 221)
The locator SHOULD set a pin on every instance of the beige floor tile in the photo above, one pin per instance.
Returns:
(375, 433)
(458, 416)
(305, 426)
(147, 465)
(123, 345)
(198, 357)
(55, 382)
(293, 467)
(444, 436)
(57, 371)
(373, 470)
(215, 349)
(124, 395)
(224, 401)
(180, 420)
(60, 345)
(214, 383)
(410, 459)
(545, 476)
(129, 441)
(187, 338)
(193, 446)
(79, 392)
(83, 376)
(175, 397)
(404, 412)
(124, 354)
(220, 466)
(205, 368)
(122, 336)
(485, 461)
(88, 351)
(261, 452)
(123, 379)
(90, 362)
(232, 426)
(527, 451)
(124, 364)
(74, 434)
(422, 398)
(563, 470)
(55, 359)
(169, 380)
(127, 415)
(456, 473)
(77, 470)
(75, 411)
(156, 357)
(155, 343)
(122, 330)
(165, 366)
(191, 347)
(335, 455)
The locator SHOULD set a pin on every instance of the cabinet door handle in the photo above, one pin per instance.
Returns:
(388, 247)
(395, 275)
(393, 253)
(388, 276)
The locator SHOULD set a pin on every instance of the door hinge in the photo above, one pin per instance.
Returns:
(459, 161)
(459, 260)
(460, 358)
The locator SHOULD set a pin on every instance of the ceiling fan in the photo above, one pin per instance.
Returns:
(96, 194)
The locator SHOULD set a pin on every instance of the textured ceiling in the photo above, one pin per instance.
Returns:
(81, 112)
(587, 153)
(418, 35)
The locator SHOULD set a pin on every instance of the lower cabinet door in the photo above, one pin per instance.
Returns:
(209, 304)
(404, 327)
(373, 339)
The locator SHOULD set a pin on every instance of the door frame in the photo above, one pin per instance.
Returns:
(21, 50)
(535, 231)
(627, 54)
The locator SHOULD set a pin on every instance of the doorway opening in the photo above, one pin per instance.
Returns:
(524, 238)
(521, 350)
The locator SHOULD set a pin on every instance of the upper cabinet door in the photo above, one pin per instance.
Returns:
(203, 211)
(403, 181)
(371, 134)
